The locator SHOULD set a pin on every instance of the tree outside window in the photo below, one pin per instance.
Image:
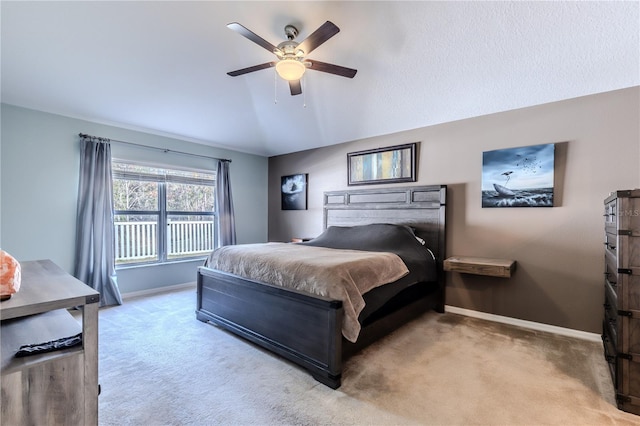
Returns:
(162, 214)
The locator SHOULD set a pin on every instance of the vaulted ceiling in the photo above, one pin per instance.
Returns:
(161, 66)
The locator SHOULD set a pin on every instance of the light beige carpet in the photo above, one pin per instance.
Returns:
(161, 366)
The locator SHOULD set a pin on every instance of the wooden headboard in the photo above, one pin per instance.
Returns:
(421, 207)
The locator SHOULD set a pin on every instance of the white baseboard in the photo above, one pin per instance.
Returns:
(158, 290)
(592, 337)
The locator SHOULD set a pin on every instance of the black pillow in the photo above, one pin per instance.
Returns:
(399, 239)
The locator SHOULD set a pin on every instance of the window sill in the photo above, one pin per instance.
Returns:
(168, 263)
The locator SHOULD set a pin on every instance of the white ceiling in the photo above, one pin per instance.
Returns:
(161, 66)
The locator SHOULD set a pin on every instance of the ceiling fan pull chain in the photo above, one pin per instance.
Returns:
(304, 92)
(275, 87)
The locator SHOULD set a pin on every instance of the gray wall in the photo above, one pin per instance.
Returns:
(559, 250)
(39, 183)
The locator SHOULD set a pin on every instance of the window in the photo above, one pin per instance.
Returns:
(162, 214)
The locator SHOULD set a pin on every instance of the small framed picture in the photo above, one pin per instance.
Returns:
(294, 192)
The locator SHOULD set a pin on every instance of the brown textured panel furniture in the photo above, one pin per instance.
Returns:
(480, 266)
(58, 387)
(621, 325)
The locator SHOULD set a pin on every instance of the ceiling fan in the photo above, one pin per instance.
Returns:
(292, 61)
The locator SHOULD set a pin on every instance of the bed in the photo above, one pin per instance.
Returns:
(308, 329)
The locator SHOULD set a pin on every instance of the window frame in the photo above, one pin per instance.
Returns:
(162, 213)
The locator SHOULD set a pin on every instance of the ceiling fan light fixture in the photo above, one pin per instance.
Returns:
(291, 63)
(290, 69)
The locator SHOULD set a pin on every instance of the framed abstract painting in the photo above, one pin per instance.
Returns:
(382, 165)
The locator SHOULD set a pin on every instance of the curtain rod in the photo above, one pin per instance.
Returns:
(165, 150)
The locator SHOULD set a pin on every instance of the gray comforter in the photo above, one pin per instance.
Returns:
(339, 274)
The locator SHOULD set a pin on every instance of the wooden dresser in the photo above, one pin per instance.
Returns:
(621, 325)
(59, 387)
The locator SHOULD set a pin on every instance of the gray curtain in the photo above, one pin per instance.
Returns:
(224, 200)
(95, 254)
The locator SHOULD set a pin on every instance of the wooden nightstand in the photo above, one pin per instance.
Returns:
(41, 388)
(480, 266)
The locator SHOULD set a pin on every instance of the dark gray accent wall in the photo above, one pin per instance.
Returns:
(559, 250)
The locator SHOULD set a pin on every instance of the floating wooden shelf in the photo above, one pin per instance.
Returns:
(480, 266)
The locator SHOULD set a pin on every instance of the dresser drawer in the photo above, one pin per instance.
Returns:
(610, 267)
(611, 326)
(628, 385)
(610, 295)
(610, 354)
(628, 215)
(611, 242)
(611, 213)
(631, 329)
(629, 257)
(632, 283)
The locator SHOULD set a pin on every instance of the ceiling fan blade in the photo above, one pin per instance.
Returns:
(295, 87)
(332, 69)
(251, 69)
(319, 36)
(251, 36)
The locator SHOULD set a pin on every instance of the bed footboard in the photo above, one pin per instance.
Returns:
(305, 329)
